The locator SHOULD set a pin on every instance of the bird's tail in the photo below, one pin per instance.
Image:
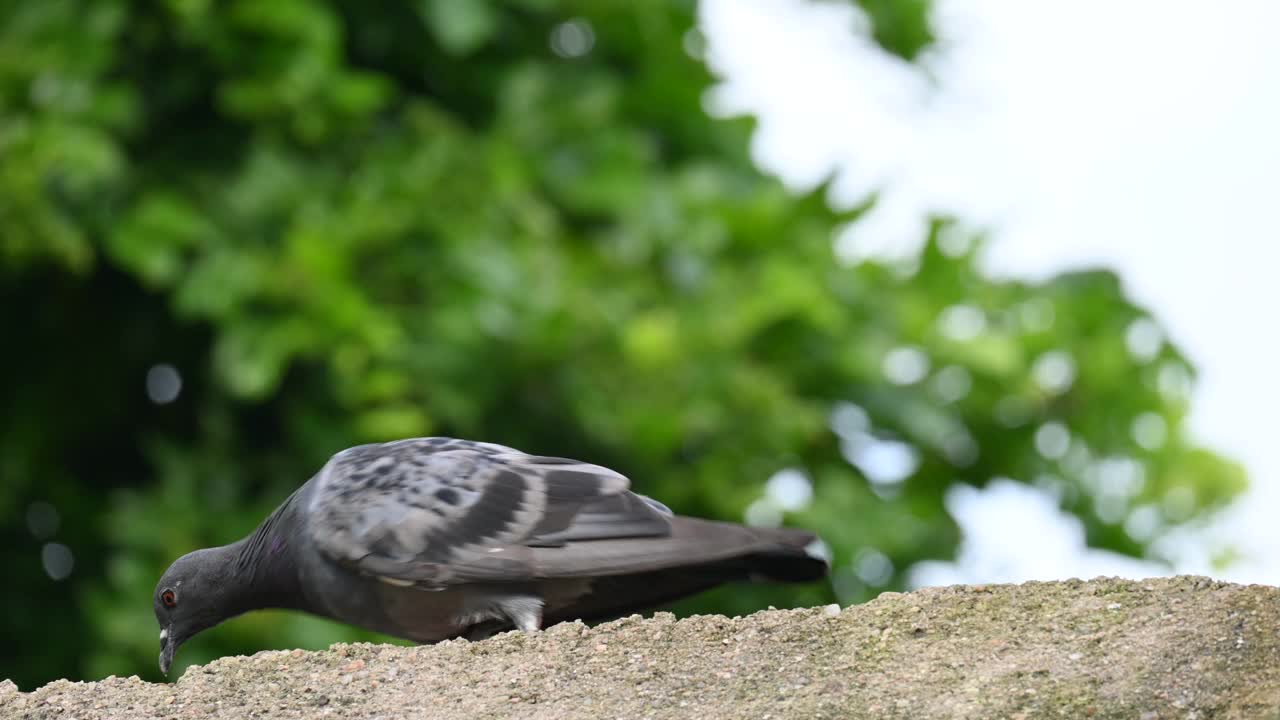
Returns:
(770, 555)
(697, 555)
(787, 555)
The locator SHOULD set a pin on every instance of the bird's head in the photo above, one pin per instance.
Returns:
(191, 596)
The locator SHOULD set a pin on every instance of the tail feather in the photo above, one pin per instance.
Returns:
(780, 554)
(641, 573)
(617, 595)
(790, 556)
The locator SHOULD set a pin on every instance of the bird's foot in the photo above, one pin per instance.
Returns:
(525, 612)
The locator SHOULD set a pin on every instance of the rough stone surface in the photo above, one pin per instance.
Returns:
(1171, 648)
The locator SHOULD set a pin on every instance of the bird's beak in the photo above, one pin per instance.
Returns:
(168, 644)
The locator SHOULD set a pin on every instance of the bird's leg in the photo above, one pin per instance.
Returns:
(524, 611)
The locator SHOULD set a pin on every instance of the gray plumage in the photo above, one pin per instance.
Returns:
(435, 538)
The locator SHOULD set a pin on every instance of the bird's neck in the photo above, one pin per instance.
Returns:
(266, 562)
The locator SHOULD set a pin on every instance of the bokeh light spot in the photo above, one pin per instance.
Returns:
(884, 462)
(1144, 339)
(962, 322)
(1053, 440)
(790, 489)
(164, 383)
(1150, 431)
(1174, 381)
(1142, 523)
(905, 365)
(57, 560)
(954, 241)
(1054, 372)
(572, 38)
(952, 383)
(764, 512)
(873, 567)
(960, 448)
(1109, 508)
(1123, 476)
(848, 419)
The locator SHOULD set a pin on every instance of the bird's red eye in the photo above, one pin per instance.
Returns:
(168, 598)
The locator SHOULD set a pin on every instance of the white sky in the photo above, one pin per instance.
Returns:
(1136, 134)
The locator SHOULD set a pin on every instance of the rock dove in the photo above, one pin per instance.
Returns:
(436, 538)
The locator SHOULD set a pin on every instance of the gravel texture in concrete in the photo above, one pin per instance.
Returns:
(1181, 647)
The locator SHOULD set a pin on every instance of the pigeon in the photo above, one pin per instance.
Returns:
(435, 538)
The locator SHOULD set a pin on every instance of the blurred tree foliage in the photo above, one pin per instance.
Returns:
(345, 222)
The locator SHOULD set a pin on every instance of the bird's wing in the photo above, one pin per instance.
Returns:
(438, 511)
(718, 548)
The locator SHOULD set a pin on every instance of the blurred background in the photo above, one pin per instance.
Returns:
(976, 289)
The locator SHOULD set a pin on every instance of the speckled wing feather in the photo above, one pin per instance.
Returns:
(438, 511)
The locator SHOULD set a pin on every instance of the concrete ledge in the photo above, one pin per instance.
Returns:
(1168, 648)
